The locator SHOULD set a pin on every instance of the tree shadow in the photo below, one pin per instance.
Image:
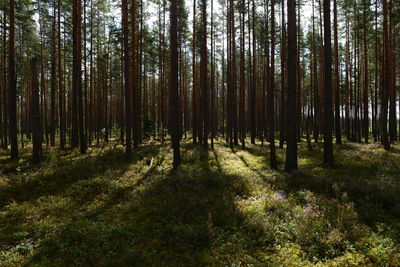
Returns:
(58, 179)
(152, 215)
(168, 218)
(359, 176)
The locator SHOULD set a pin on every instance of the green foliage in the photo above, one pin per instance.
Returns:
(223, 207)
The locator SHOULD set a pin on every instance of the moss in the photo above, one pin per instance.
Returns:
(222, 207)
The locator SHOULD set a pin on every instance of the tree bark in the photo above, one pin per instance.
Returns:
(385, 78)
(35, 115)
(271, 93)
(338, 132)
(128, 97)
(291, 121)
(175, 117)
(12, 89)
(328, 114)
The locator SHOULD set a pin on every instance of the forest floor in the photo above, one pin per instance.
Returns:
(223, 207)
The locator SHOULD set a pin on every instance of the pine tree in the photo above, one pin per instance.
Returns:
(12, 89)
(328, 114)
(291, 121)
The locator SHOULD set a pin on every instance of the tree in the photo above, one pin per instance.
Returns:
(35, 115)
(77, 74)
(60, 83)
(253, 90)
(194, 80)
(282, 127)
(203, 71)
(291, 121)
(4, 131)
(134, 77)
(12, 89)
(271, 93)
(338, 133)
(242, 123)
(212, 84)
(365, 89)
(174, 108)
(128, 97)
(385, 78)
(328, 114)
(75, 82)
(53, 85)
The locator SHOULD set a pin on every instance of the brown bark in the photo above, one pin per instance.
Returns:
(271, 93)
(175, 122)
(128, 113)
(35, 115)
(203, 73)
(385, 78)
(328, 114)
(291, 121)
(12, 89)
(337, 82)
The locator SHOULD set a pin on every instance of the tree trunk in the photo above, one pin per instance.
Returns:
(203, 73)
(60, 82)
(337, 82)
(35, 115)
(12, 89)
(242, 117)
(134, 79)
(282, 128)
(291, 121)
(128, 97)
(53, 80)
(175, 116)
(328, 114)
(271, 93)
(385, 78)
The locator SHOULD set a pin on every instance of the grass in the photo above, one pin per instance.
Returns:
(223, 207)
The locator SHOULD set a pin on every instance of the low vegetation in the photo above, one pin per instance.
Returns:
(222, 207)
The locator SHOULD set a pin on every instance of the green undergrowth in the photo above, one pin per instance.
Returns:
(223, 207)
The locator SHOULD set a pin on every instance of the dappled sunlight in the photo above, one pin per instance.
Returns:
(221, 207)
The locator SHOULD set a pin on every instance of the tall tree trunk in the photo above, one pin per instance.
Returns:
(242, 117)
(12, 89)
(175, 116)
(385, 78)
(85, 86)
(5, 91)
(328, 114)
(234, 113)
(253, 93)
(128, 96)
(376, 82)
(282, 128)
(392, 75)
(134, 79)
(77, 75)
(337, 81)
(75, 119)
(212, 85)
(203, 72)
(194, 93)
(35, 115)
(271, 93)
(53, 84)
(347, 82)
(365, 91)
(60, 82)
(298, 77)
(291, 121)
